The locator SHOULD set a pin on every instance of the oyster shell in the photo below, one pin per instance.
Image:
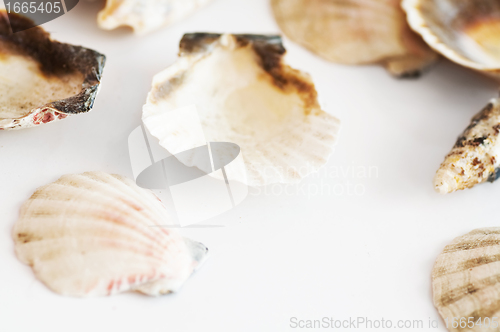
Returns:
(94, 234)
(465, 280)
(466, 32)
(355, 32)
(245, 94)
(42, 80)
(475, 157)
(145, 15)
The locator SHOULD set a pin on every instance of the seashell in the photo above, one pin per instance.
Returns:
(145, 16)
(355, 32)
(244, 94)
(466, 32)
(465, 281)
(475, 157)
(98, 234)
(42, 80)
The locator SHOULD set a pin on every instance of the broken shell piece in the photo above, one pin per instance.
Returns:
(244, 94)
(466, 32)
(465, 281)
(145, 16)
(355, 32)
(42, 80)
(475, 158)
(98, 234)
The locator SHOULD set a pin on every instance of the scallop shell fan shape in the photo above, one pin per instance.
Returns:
(94, 234)
(466, 280)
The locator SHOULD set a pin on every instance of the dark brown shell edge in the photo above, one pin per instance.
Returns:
(54, 58)
(270, 50)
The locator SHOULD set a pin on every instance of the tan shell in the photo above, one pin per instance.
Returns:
(42, 80)
(475, 158)
(145, 15)
(97, 234)
(244, 94)
(466, 282)
(465, 31)
(355, 32)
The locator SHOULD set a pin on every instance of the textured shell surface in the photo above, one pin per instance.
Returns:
(466, 280)
(145, 15)
(475, 157)
(244, 94)
(97, 234)
(42, 80)
(355, 32)
(465, 31)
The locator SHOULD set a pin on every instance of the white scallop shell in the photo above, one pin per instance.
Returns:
(246, 95)
(466, 282)
(355, 32)
(466, 32)
(145, 15)
(98, 234)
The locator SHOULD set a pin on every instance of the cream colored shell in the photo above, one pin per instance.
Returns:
(466, 282)
(145, 15)
(355, 32)
(244, 94)
(98, 234)
(466, 32)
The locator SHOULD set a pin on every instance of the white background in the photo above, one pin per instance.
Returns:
(308, 255)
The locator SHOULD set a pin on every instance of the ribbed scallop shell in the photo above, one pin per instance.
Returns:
(145, 15)
(355, 32)
(475, 157)
(97, 234)
(465, 31)
(466, 280)
(244, 94)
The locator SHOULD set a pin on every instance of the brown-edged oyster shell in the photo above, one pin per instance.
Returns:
(465, 31)
(466, 282)
(245, 94)
(42, 80)
(97, 234)
(355, 32)
(475, 157)
(145, 15)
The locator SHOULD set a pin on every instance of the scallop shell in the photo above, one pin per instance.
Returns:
(355, 32)
(475, 158)
(145, 15)
(465, 281)
(42, 80)
(244, 94)
(98, 234)
(466, 32)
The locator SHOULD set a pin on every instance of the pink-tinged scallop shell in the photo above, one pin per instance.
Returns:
(97, 234)
(42, 80)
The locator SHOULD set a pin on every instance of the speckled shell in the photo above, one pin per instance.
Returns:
(355, 32)
(475, 158)
(244, 94)
(98, 234)
(146, 16)
(465, 31)
(65, 66)
(466, 282)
